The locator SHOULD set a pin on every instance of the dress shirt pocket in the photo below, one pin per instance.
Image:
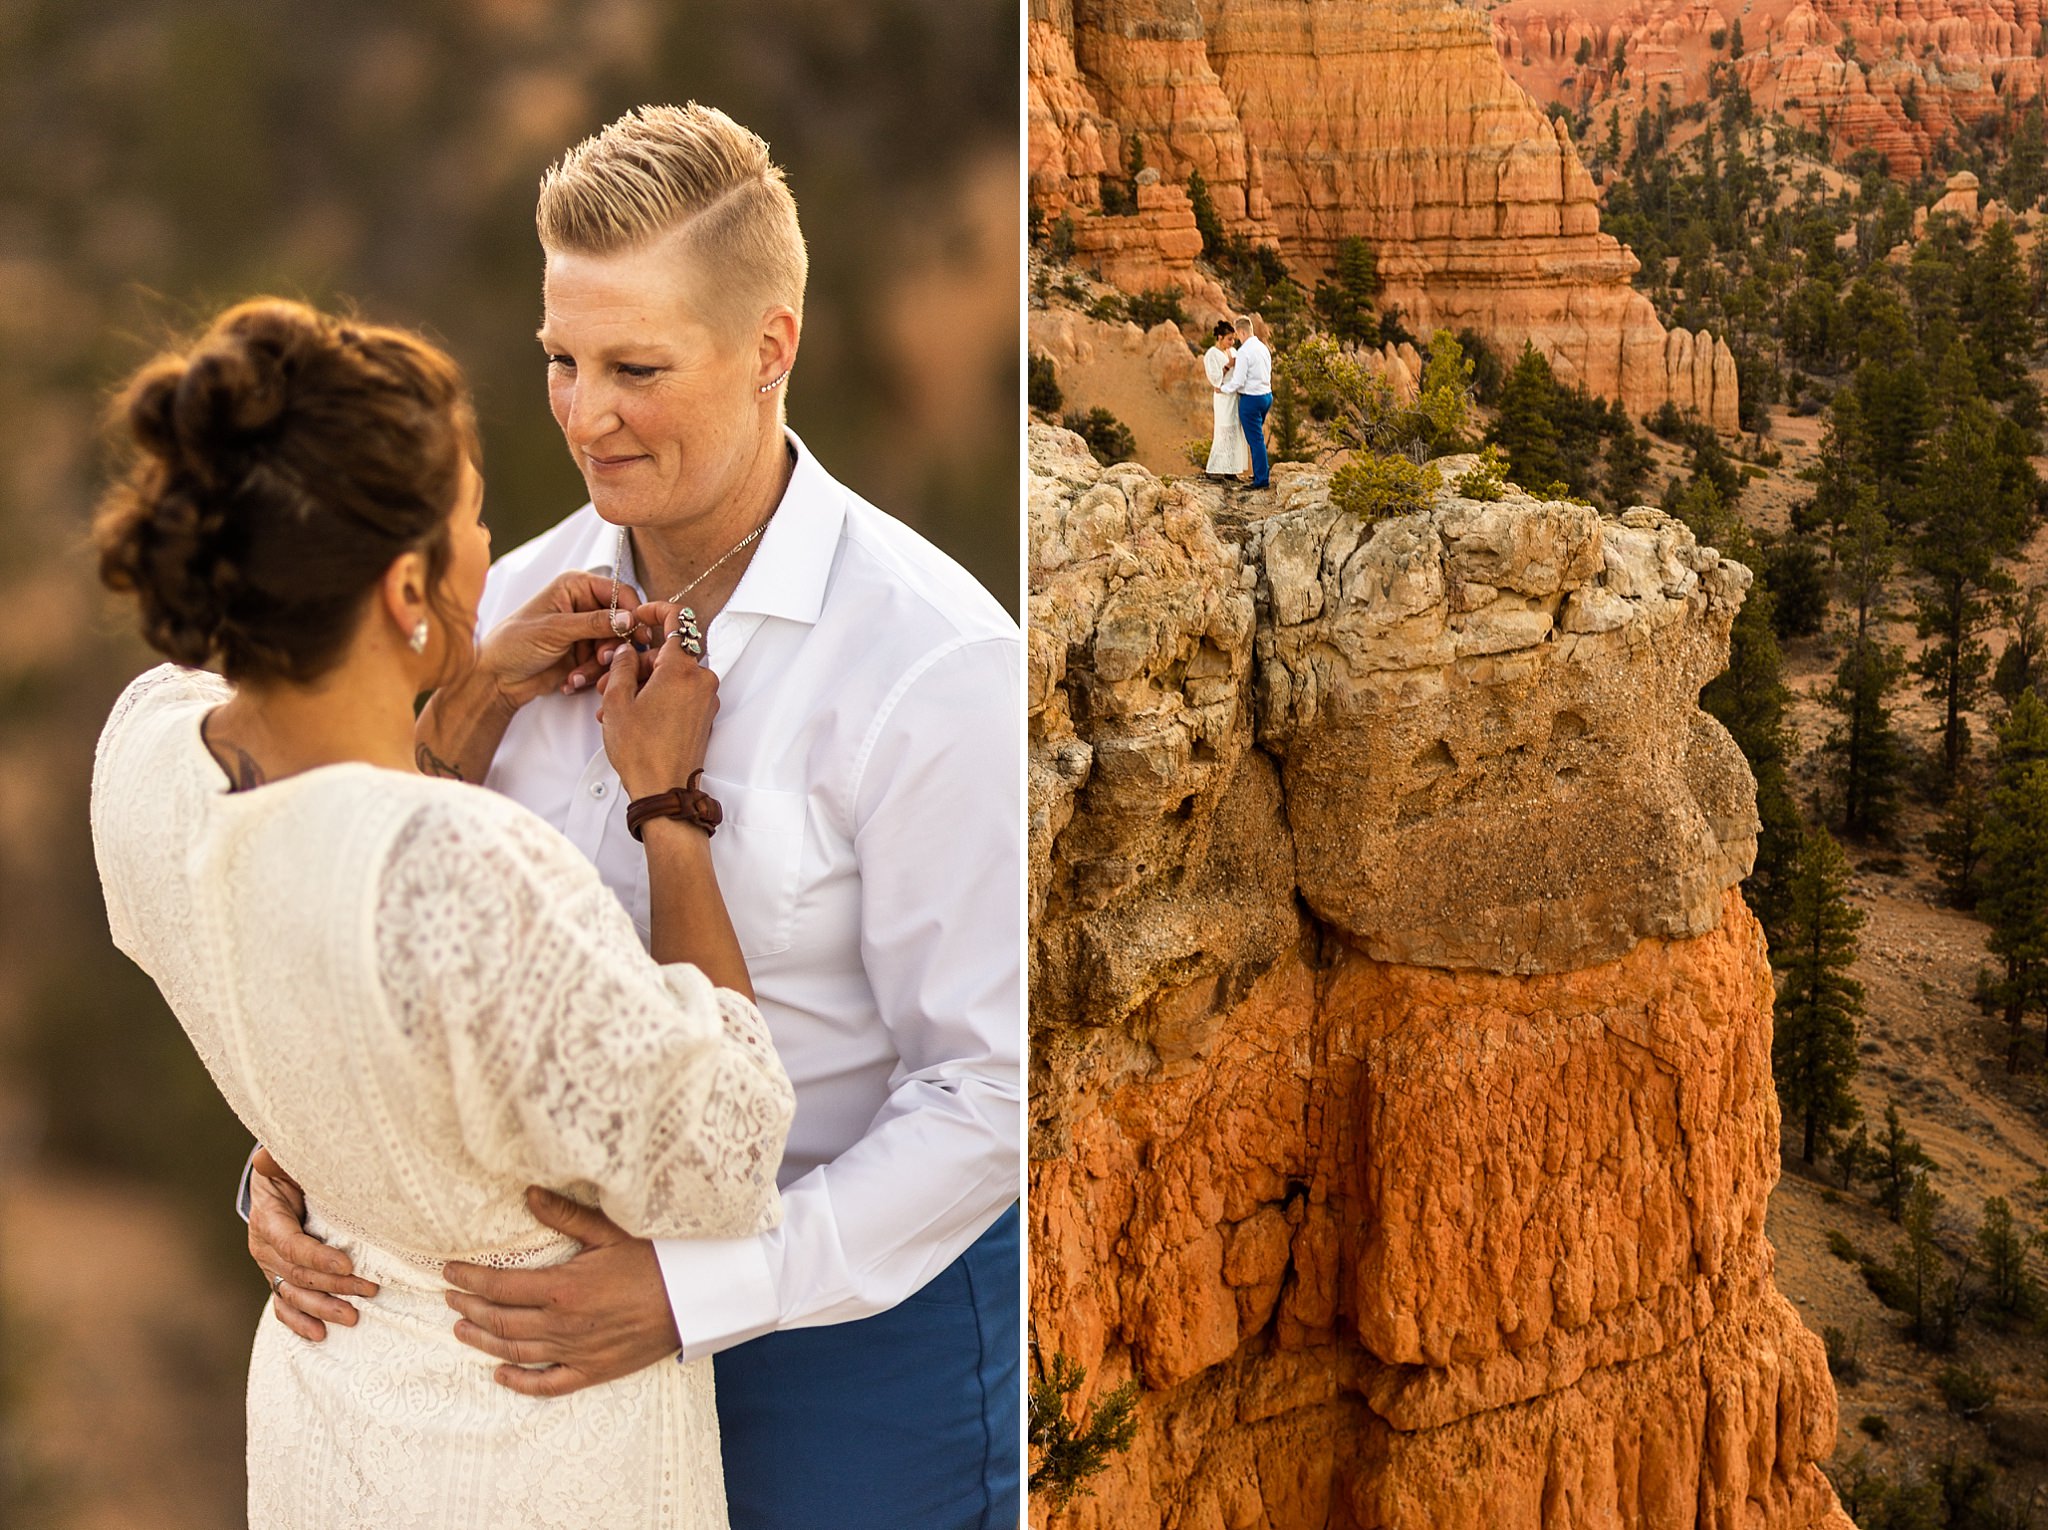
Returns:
(758, 852)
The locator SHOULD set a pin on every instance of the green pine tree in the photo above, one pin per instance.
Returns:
(1897, 1159)
(1346, 304)
(1443, 404)
(1894, 406)
(2025, 174)
(1813, 1040)
(1069, 1453)
(1207, 222)
(1749, 698)
(2023, 665)
(2013, 870)
(1867, 554)
(1852, 1155)
(1971, 511)
(1842, 478)
(1526, 428)
(1996, 311)
(1868, 757)
(1920, 1270)
(1955, 843)
(1628, 464)
(2002, 1254)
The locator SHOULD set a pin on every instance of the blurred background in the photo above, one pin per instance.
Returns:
(159, 158)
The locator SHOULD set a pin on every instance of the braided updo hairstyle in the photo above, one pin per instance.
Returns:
(281, 461)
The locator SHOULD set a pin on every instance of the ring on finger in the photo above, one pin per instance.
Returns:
(277, 1285)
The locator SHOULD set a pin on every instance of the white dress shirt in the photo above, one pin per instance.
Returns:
(866, 755)
(1253, 373)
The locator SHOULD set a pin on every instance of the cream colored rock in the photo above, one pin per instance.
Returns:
(1140, 653)
(1149, 379)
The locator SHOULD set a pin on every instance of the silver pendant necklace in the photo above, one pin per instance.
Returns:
(686, 624)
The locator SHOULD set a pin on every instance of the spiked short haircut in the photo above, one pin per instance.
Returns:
(688, 169)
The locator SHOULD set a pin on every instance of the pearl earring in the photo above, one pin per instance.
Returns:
(769, 387)
(418, 641)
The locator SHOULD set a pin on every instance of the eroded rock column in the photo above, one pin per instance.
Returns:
(1402, 1108)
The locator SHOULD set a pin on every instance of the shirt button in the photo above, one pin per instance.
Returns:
(597, 788)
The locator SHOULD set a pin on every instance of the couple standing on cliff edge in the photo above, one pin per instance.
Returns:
(1240, 369)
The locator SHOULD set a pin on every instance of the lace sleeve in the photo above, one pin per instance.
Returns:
(577, 1061)
(115, 770)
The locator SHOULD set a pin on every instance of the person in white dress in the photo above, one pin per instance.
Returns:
(414, 991)
(1228, 454)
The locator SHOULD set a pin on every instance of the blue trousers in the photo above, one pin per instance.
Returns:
(906, 1419)
(1251, 414)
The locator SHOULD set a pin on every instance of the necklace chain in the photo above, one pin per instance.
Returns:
(619, 561)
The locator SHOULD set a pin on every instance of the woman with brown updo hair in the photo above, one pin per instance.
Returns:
(352, 939)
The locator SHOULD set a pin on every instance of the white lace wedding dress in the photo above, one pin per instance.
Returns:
(421, 999)
(1228, 450)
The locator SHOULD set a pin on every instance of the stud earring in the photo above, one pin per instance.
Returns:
(418, 641)
(770, 387)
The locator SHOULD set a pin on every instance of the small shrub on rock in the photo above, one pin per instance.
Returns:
(1108, 437)
(1110, 308)
(1965, 1389)
(1373, 487)
(1045, 384)
(1486, 479)
(1845, 1361)
(1159, 307)
(1063, 237)
(1066, 1452)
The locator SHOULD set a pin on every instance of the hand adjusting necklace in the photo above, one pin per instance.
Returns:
(686, 625)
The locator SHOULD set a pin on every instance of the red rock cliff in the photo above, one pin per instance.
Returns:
(1392, 120)
(1402, 1108)
(1894, 75)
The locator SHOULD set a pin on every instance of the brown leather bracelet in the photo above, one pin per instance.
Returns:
(685, 802)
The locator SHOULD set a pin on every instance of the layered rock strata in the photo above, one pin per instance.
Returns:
(1402, 1109)
(1394, 121)
(1898, 76)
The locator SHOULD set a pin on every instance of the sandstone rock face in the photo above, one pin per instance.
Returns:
(1393, 121)
(1153, 248)
(1893, 75)
(1150, 379)
(1402, 1108)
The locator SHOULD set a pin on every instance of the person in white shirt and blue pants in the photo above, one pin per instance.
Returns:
(1251, 379)
(867, 758)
